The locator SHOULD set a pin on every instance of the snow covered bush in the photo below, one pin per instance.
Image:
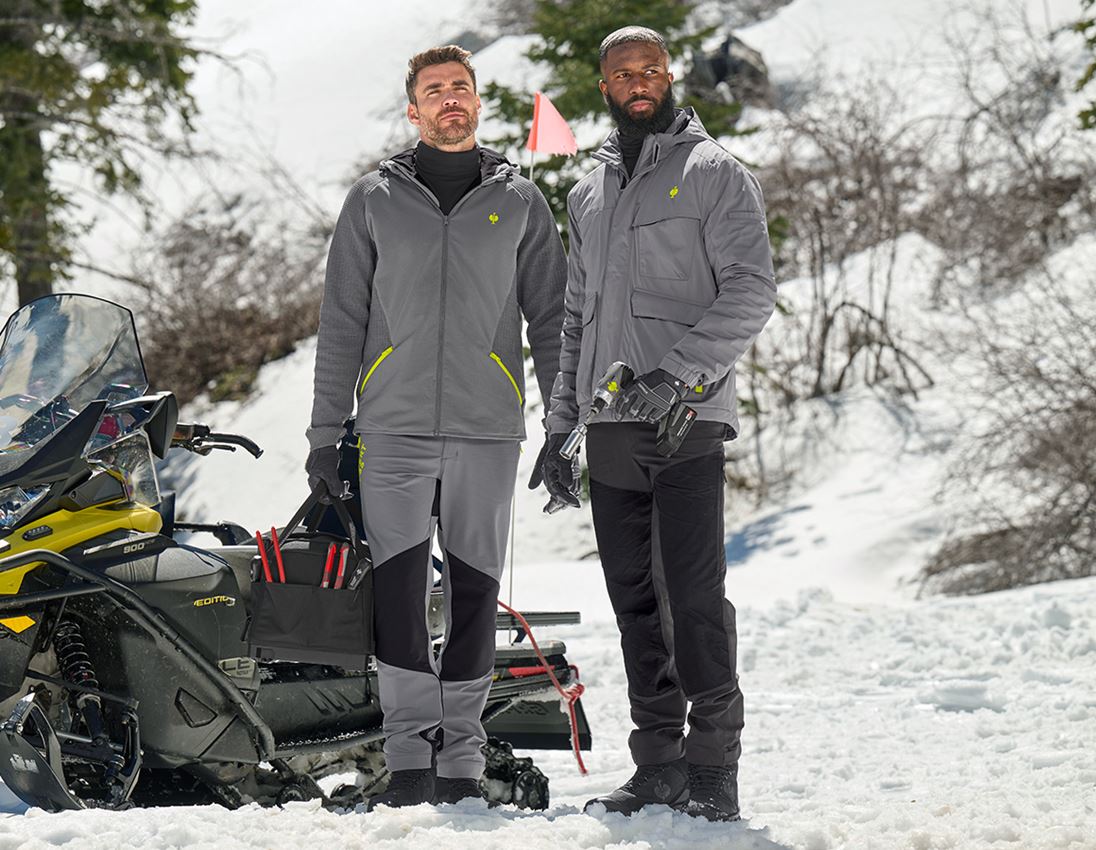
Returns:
(1014, 177)
(1027, 479)
(230, 286)
(848, 177)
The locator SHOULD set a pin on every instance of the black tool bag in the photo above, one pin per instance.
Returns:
(299, 620)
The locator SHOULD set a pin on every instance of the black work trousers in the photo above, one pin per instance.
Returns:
(659, 527)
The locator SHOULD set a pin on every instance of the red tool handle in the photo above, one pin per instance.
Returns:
(278, 555)
(342, 566)
(327, 567)
(262, 554)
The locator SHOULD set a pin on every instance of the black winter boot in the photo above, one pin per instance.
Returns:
(713, 792)
(651, 785)
(454, 790)
(405, 788)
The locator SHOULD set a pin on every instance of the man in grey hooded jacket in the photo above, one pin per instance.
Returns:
(670, 271)
(436, 257)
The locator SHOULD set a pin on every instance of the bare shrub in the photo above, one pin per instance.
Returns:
(998, 179)
(228, 288)
(1027, 471)
(1015, 181)
(847, 178)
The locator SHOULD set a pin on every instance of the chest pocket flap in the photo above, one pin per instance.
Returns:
(658, 305)
(666, 243)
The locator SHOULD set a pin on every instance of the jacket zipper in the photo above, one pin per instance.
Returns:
(373, 369)
(444, 281)
(629, 181)
(441, 321)
(513, 383)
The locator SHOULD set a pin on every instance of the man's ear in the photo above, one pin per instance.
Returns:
(604, 86)
(413, 114)
(670, 75)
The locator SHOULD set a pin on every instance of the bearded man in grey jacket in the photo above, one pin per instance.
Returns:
(670, 271)
(436, 257)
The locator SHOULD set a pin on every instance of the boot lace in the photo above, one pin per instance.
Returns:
(460, 787)
(405, 780)
(644, 773)
(707, 780)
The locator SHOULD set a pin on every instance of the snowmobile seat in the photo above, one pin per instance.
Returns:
(175, 563)
(239, 560)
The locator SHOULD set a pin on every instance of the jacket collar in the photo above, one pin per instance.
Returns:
(493, 165)
(685, 128)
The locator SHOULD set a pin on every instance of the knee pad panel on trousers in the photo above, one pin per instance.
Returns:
(470, 648)
(399, 600)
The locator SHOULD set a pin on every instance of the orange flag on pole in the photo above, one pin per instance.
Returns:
(550, 133)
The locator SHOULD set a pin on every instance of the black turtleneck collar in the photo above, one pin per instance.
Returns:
(448, 174)
(631, 144)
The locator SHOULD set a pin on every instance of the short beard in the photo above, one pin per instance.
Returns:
(660, 118)
(452, 133)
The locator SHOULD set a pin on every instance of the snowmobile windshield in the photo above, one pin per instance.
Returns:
(57, 354)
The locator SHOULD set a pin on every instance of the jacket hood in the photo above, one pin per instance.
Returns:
(492, 163)
(685, 128)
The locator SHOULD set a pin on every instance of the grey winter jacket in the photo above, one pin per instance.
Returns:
(421, 314)
(670, 269)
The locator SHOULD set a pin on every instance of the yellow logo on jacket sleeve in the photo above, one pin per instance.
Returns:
(673, 192)
(493, 218)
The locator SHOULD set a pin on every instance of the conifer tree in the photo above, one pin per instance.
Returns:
(98, 83)
(1087, 27)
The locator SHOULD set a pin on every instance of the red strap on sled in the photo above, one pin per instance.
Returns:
(569, 695)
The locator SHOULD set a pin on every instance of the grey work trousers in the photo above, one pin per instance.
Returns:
(433, 705)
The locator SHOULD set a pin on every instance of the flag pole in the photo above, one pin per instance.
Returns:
(532, 156)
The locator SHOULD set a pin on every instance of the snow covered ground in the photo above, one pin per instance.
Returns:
(939, 724)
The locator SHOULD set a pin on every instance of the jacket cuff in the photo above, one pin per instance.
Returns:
(321, 436)
(558, 425)
(681, 370)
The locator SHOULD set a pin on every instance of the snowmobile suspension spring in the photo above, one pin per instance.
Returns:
(72, 656)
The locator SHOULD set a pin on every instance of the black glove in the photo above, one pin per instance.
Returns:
(322, 467)
(559, 475)
(650, 397)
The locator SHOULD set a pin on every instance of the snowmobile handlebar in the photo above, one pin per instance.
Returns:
(198, 438)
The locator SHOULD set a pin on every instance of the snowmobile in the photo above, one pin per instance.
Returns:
(125, 671)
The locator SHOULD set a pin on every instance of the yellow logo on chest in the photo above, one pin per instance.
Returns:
(673, 193)
(493, 218)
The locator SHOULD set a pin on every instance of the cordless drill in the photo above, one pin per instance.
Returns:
(606, 392)
(672, 428)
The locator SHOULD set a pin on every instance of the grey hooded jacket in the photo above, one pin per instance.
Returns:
(670, 269)
(421, 314)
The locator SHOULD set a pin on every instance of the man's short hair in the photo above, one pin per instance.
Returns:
(437, 56)
(627, 35)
